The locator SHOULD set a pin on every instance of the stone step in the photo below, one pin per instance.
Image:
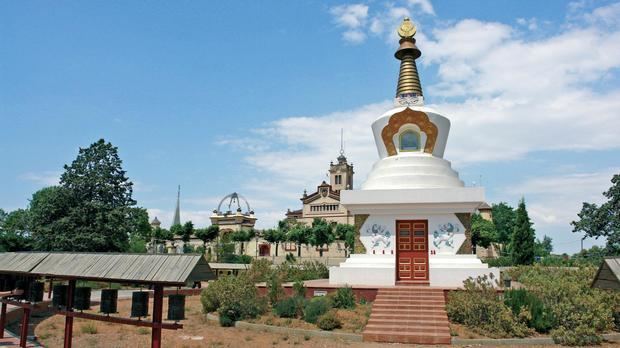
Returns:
(405, 337)
(430, 317)
(409, 321)
(407, 309)
(409, 329)
(412, 292)
(407, 306)
(420, 296)
(396, 302)
(407, 326)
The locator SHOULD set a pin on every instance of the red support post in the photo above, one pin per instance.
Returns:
(2, 319)
(23, 337)
(69, 319)
(158, 304)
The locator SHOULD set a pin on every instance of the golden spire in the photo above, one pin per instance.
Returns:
(408, 79)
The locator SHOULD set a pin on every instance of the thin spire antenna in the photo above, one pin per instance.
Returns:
(342, 141)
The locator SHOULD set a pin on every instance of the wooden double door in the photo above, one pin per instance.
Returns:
(412, 251)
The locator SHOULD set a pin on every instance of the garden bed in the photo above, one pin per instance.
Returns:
(554, 303)
(353, 320)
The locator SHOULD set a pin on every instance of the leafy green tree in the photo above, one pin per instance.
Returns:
(241, 237)
(207, 235)
(299, 234)
(346, 233)
(177, 231)
(523, 237)
(274, 236)
(504, 220)
(15, 231)
(162, 235)
(186, 235)
(139, 225)
(604, 221)
(322, 234)
(483, 232)
(49, 218)
(543, 247)
(93, 209)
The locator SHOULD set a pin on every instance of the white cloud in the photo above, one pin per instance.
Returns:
(556, 199)
(352, 17)
(553, 203)
(359, 20)
(424, 5)
(46, 178)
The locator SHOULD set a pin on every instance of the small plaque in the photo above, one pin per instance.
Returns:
(320, 293)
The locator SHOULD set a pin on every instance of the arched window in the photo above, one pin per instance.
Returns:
(409, 141)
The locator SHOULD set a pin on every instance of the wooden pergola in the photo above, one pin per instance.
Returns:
(154, 270)
(608, 274)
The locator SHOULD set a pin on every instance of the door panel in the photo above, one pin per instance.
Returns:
(412, 250)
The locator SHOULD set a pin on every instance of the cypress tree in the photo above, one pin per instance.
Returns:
(523, 237)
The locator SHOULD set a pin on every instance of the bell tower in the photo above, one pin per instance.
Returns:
(341, 173)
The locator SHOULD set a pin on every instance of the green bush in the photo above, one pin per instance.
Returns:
(582, 335)
(316, 307)
(290, 258)
(329, 321)
(290, 307)
(226, 320)
(528, 307)
(501, 261)
(576, 307)
(275, 292)
(299, 288)
(235, 298)
(344, 298)
(479, 308)
(305, 270)
(260, 270)
(617, 320)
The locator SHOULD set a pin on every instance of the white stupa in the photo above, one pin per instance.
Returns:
(413, 212)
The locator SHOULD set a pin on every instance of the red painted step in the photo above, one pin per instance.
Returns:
(408, 314)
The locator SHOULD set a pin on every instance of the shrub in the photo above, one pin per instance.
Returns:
(89, 328)
(479, 308)
(259, 270)
(501, 261)
(305, 270)
(234, 298)
(226, 320)
(344, 298)
(274, 289)
(329, 321)
(582, 335)
(290, 307)
(538, 317)
(316, 307)
(290, 258)
(299, 289)
(576, 307)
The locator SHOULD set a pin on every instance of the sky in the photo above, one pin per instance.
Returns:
(250, 97)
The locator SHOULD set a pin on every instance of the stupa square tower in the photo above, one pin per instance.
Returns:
(413, 212)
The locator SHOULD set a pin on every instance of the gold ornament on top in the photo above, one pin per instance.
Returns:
(406, 29)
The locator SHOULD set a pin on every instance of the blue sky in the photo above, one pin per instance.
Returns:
(250, 97)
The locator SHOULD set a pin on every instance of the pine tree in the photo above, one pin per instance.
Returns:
(523, 237)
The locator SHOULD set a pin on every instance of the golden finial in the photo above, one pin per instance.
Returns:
(406, 29)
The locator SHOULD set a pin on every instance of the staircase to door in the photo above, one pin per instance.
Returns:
(408, 314)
